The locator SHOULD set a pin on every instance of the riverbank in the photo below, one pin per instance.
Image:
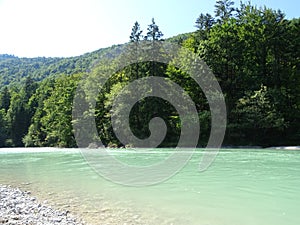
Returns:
(19, 207)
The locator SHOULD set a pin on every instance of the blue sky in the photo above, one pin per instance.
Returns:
(30, 28)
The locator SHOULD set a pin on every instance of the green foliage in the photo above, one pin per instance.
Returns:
(153, 34)
(253, 48)
(224, 10)
(52, 120)
(254, 53)
(256, 110)
(3, 128)
(136, 33)
(180, 38)
(205, 22)
(36, 133)
(258, 118)
(14, 70)
(5, 99)
(19, 113)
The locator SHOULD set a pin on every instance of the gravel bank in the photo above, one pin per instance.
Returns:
(20, 208)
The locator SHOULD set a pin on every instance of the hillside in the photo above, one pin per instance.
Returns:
(254, 53)
(15, 70)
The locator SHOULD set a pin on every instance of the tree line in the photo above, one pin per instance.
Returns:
(253, 52)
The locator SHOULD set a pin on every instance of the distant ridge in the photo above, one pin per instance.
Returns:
(14, 69)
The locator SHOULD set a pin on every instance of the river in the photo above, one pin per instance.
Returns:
(242, 187)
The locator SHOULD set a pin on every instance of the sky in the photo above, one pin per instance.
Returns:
(64, 28)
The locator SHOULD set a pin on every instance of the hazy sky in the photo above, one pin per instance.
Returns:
(30, 28)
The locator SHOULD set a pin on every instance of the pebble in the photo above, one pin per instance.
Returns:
(19, 208)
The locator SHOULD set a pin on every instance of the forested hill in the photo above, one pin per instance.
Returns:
(15, 70)
(253, 52)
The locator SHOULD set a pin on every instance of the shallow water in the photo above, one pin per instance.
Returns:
(245, 187)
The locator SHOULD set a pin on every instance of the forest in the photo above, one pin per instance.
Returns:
(253, 51)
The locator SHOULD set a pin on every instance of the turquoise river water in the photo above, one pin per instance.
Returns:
(241, 187)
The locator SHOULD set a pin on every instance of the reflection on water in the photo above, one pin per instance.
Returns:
(241, 187)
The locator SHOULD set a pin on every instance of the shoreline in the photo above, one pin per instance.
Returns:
(20, 207)
(72, 149)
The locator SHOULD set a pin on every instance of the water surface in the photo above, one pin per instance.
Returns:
(242, 187)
